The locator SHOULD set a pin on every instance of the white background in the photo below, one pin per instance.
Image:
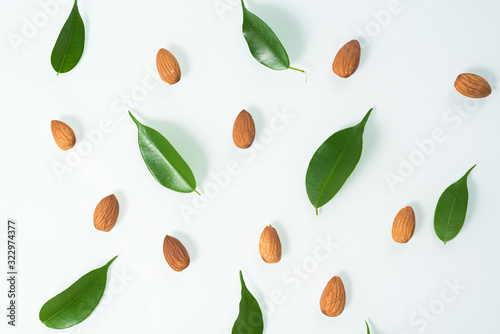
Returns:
(407, 71)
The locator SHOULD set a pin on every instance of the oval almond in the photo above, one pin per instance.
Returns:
(243, 130)
(403, 226)
(332, 300)
(106, 213)
(270, 245)
(168, 67)
(63, 134)
(346, 61)
(175, 253)
(472, 85)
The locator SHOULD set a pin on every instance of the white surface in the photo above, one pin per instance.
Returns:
(407, 73)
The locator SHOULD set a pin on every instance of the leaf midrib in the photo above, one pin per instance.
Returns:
(72, 301)
(333, 169)
(69, 41)
(166, 160)
(265, 42)
(451, 212)
(247, 304)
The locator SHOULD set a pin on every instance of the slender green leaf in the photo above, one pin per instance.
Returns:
(69, 45)
(451, 209)
(250, 319)
(263, 43)
(77, 302)
(367, 328)
(333, 162)
(163, 161)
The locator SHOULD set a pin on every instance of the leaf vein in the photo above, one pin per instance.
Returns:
(73, 300)
(265, 41)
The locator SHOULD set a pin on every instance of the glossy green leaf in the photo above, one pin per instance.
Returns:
(163, 161)
(263, 43)
(451, 209)
(69, 45)
(333, 162)
(77, 302)
(367, 328)
(250, 319)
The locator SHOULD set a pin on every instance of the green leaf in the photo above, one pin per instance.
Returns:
(333, 162)
(163, 161)
(367, 328)
(69, 45)
(77, 302)
(263, 43)
(250, 319)
(451, 209)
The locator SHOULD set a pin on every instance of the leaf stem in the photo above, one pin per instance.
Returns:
(298, 69)
(316, 211)
(197, 192)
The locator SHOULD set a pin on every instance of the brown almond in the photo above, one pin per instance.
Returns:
(472, 85)
(404, 225)
(63, 135)
(106, 213)
(175, 253)
(346, 61)
(270, 245)
(243, 130)
(168, 67)
(332, 300)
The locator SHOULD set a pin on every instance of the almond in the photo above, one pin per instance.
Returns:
(332, 300)
(270, 245)
(175, 253)
(346, 61)
(106, 213)
(243, 130)
(63, 135)
(404, 225)
(168, 67)
(472, 85)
